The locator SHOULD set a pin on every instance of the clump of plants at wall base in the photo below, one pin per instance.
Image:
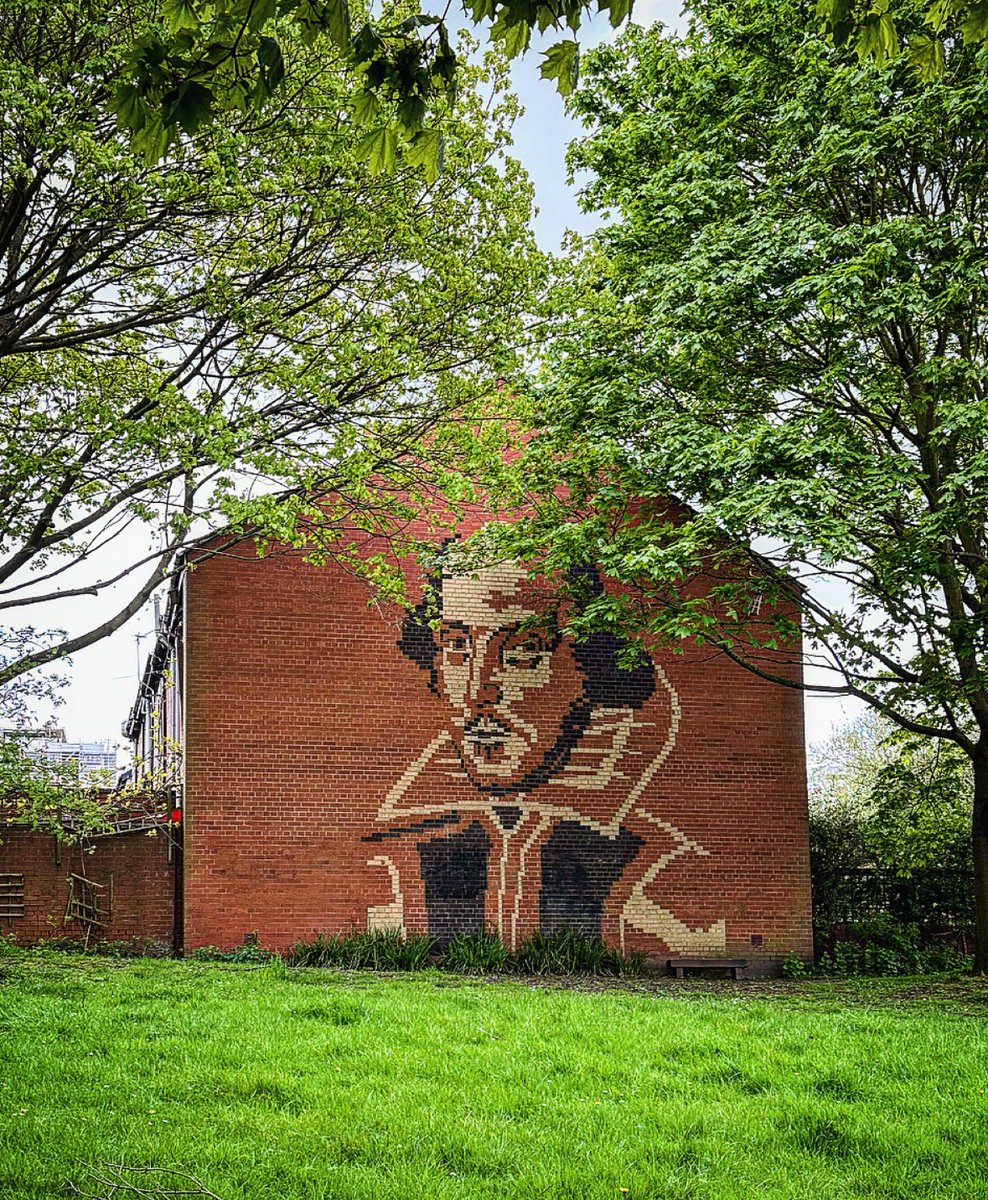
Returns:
(135, 947)
(249, 951)
(880, 945)
(483, 953)
(476, 953)
(380, 950)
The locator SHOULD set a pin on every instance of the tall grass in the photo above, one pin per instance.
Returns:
(476, 954)
(379, 950)
(568, 953)
(565, 953)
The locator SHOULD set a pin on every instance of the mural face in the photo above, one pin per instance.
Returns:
(530, 808)
(514, 692)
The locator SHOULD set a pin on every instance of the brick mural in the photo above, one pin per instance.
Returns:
(466, 765)
(530, 808)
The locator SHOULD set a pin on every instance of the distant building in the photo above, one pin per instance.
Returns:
(95, 762)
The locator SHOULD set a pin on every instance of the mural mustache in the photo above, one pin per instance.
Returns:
(488, 734)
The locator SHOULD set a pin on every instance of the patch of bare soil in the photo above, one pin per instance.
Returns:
(961, 995)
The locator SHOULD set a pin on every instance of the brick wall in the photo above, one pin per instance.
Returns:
(133, 866)
(344, 770)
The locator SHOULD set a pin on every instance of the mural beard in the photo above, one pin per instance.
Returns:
(481, 739)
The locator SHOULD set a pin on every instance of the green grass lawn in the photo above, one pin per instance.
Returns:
(275, 1084)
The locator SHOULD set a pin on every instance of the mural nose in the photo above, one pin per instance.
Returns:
(485, 683)
(488, 690)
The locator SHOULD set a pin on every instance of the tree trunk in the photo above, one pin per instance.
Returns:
(979, 842)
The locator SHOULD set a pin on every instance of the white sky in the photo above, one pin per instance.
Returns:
(104, 677)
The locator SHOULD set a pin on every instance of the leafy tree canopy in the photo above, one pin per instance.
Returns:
(784, 326)
(192, 60)
(213, 340)
(890, 799)
(890, 820)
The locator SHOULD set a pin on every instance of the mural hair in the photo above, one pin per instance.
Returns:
(598, 656)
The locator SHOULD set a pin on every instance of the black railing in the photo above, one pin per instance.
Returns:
(933, 898)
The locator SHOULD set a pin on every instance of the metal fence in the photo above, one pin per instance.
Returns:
(935, 899)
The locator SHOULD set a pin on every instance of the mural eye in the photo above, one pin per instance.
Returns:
(526, 657)
(456, 649)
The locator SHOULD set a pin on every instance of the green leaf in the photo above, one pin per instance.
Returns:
(974, 27)
(877, 39)
(338, 22)
(151, 140)
(411, 113)
(310, 18)
(179, 15)
(366, 108)
(130, 106)
(260, 13)
(480, 10)
(271, 63)
(410, 24)
(191, 108)
(378, 149)
(562, 63)
(927, 57)
(425, 150)
(942, 12)
(367, 44)
(619, 10)
(444, 65)
(839, 19)
(514, 38)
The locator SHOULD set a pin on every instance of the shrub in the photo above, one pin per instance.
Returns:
(249, 951)
(793, 967)
(377, 950)
(475, 953)
(944, 957)
(61, 944)
(134, 947)
(883, 946)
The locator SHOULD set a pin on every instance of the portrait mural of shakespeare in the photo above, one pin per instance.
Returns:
(533, 805)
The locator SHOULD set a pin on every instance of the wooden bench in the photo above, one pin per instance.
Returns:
(679, 966)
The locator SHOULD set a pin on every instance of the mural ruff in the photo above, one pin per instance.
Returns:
(597, 811)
